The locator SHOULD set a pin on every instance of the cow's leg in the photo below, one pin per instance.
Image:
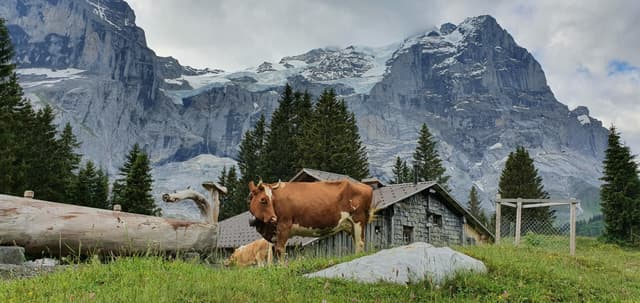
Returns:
(282, 235)
(358, 236)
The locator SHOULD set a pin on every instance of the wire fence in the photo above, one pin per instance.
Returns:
(545, 224)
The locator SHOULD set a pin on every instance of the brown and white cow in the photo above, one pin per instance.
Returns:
(258, 252)
(312, 209)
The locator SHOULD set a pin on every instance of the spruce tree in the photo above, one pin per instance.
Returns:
(302, 110)
(119, 184)
(33, 155)
(234, 202)
(100, 190)
(14, 115)
(41, 160)
(251, 155)
(280, 145)
(620, 192)
(68, 160)
(331, 141)
(402, 173)
(83, 186)
(133, 190)
(426, 159)
(520, 179)
(91, 187)
(137, 191)
(475, 208)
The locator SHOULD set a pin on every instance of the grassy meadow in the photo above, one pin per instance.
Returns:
(599, 273)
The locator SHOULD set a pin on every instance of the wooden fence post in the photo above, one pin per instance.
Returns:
(518, 220)
(498, 204)
(572, 233)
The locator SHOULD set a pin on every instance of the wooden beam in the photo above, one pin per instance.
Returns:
(572, 232)
(545, 204)
(518, 221)
(536, 200)
(498, 219)
(509, 204)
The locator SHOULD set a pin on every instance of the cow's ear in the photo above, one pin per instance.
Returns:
(252, 187)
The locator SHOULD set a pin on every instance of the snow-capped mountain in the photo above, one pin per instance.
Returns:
(480, 93)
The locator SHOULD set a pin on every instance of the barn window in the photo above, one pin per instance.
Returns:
(437, 220)
(377, 229)
(407, 234)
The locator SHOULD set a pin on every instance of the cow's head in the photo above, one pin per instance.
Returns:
(261, 202)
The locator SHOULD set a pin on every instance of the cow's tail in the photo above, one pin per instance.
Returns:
(372, 214)
(373, 209)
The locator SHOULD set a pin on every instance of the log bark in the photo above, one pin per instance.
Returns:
(43, 227)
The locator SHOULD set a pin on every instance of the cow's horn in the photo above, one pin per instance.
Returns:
(259, 184)
(277, 185)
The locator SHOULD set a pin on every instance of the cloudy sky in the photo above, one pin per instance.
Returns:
(589, 49)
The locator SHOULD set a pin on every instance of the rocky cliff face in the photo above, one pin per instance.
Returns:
(480, 93)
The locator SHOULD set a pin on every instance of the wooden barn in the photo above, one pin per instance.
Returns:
(406, 213)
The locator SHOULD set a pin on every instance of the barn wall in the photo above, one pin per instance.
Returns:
(432, 221)
(448, 231)
(377, 236)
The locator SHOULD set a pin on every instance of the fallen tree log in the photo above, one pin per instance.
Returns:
(43, 227)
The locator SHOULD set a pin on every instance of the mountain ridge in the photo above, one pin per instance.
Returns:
(480, 93)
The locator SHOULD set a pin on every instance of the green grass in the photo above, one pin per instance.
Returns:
(600, 273)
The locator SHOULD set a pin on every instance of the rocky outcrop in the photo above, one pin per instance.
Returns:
(409, 264)
(480, 93)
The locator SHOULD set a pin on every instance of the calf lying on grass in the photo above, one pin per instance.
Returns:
(258, 252)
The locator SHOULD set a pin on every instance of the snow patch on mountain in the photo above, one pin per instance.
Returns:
(495, 146)
(32, 77)
(101, 12)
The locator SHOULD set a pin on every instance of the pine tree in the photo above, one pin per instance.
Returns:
(31, 154)
(234, 202)
(117, 192)
(83, 191)
(91, 187)
(331, 141)
(302, 110)
(280, 143)
(40, 158)
(68, 160)
(137, 190)
(520, 179)
(620, 192)
(100, 190)
(251, 154)
(475, 208)
(14, 115)
(426, 159)
(402, 173)
(133, 190)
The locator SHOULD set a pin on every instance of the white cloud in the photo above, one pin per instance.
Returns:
(573, 40)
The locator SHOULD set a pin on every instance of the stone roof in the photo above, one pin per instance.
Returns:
(235, 232)
(307, 173)
(386, 196)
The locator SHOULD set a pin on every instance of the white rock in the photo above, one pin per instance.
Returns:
(405, 265)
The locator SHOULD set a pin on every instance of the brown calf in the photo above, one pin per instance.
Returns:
(257, 252)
